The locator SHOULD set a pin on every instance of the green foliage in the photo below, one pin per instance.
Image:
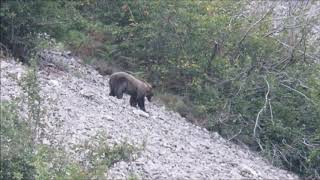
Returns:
(132, 177)
(22, 22)
(252, 82)
(18, 135)
(16, 145)
(54, 164)
(31, 89)
(102, 155)
(172, 42)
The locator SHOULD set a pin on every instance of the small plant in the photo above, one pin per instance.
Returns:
(185, 108)
(30, 87)
(45, 41)
(132, 176)
(102, 156)
(52, 163)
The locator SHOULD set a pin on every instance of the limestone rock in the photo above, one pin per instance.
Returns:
(77, 106)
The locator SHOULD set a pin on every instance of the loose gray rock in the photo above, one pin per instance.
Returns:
(141, 113)
(77, 106)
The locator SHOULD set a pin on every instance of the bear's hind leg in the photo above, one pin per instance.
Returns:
(121, 89)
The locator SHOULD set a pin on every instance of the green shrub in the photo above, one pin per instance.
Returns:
(31, 89)
(102, 156)
(16, 144)
(52, 163)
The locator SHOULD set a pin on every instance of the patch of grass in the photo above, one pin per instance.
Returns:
(99, 157)
(102, 156)
(52, 163)
(31, 89)
(132, 176)
(185, 108)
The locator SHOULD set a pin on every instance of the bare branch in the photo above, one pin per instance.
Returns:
(254, 24)
(5, 49)
(297, 92)
(284, 157)
(235, 135)
(309, 145)
(300, 51)
(263, 107)
(271, 113)
(280, 29)
(233, 18)
(259, 143)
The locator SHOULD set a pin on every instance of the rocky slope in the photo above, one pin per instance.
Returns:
(77, 106)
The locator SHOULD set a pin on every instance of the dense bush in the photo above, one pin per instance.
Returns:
(249, 83)
(23, 21)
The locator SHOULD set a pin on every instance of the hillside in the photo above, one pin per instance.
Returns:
(77, 107)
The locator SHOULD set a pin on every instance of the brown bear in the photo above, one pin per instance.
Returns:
(122, 82)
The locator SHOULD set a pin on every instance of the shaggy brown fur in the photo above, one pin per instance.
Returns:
(122, 82)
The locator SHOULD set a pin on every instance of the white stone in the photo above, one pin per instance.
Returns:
(54, 82)
(141, 113)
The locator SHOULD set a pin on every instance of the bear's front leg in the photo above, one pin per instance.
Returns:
(141, 104)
